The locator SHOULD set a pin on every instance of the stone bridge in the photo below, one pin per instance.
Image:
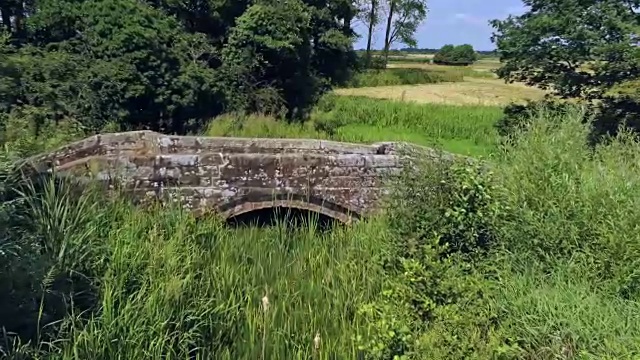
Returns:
(234, 176)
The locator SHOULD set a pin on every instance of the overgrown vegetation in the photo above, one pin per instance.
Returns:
(533, 256)
(387, 77)
(529, 250)
(466, 130)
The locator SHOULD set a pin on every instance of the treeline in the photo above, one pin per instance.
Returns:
(165, 65)
(430, 51)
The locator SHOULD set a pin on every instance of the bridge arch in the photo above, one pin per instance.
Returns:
(248, 204)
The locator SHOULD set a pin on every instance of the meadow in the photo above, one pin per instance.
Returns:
(535, 259)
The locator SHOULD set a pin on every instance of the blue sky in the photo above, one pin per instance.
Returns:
(454, 22)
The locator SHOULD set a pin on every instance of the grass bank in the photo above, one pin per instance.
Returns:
(467, 130)
(536, 259)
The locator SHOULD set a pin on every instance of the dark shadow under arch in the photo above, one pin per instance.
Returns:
(294, 209)
(288, 216)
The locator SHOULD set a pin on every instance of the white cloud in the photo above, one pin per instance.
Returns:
(469, 19)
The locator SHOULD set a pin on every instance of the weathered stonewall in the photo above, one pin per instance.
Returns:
(234, 175)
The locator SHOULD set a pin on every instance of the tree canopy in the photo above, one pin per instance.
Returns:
(585, 50)
(169, 65)
(456, 55)
(578, 49)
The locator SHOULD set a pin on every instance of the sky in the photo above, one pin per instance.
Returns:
(453, 22)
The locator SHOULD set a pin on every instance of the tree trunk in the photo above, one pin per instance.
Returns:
(348, 17)
(5, 11)
(387, 37)
(20, 15)
(372, 23)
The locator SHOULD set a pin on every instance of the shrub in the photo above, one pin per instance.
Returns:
(456, 55)
(375, 62)
(402, 76)
(442, 218)
(517, 117)
(606, 118)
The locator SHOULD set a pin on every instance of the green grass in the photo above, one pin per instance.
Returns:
(389, 77)
(171, 285)
(409, 59)
(467, 130)
(556, 279)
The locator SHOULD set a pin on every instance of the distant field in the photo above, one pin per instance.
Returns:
(482, 68)
(472, 91)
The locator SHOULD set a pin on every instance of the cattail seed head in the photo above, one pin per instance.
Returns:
(316, 341)
(265, 304)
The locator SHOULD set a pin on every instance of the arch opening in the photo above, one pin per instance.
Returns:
(291, 217)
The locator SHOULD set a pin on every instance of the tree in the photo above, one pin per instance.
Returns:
(370, 16)
(579, 49)
(456, 55)
(292, 50)
(117, 61)
(403, 19)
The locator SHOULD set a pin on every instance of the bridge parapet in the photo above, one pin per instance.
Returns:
(235, 175)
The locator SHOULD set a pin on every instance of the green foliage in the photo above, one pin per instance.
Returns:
(467, 130)
(556, 279)
(584, 50)
(117, 61)
(273, 40)
(179, 279)
(374, 62)
(606, 118)
(461, 55)
(442, 218)
(577, 49)
(403, 19)
(518, 117)
(532, 255)
(170, 66)
(401, 76)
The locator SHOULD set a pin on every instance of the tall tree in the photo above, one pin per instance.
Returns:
(579, 49)
(403, 19)
(369, 14)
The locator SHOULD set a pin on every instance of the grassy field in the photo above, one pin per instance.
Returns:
(452, 85)
(535, 259)
(467, 130)
(556, 280)
(472, 91)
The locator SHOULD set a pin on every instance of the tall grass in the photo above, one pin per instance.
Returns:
(431, 121)
(570, 234)
(467, 130)
(172, 286)
(534, 256)
(531, 257)
(408, 76)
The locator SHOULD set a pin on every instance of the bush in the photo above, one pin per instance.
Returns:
(537, 261)
(517, 117)
(456, 55)
(375, 62)
(442, 218)
(401, 76)
(606, 118)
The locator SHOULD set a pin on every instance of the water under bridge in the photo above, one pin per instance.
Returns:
(236, 176)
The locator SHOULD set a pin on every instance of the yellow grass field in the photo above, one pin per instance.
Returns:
(482, 68)
(473, 91)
